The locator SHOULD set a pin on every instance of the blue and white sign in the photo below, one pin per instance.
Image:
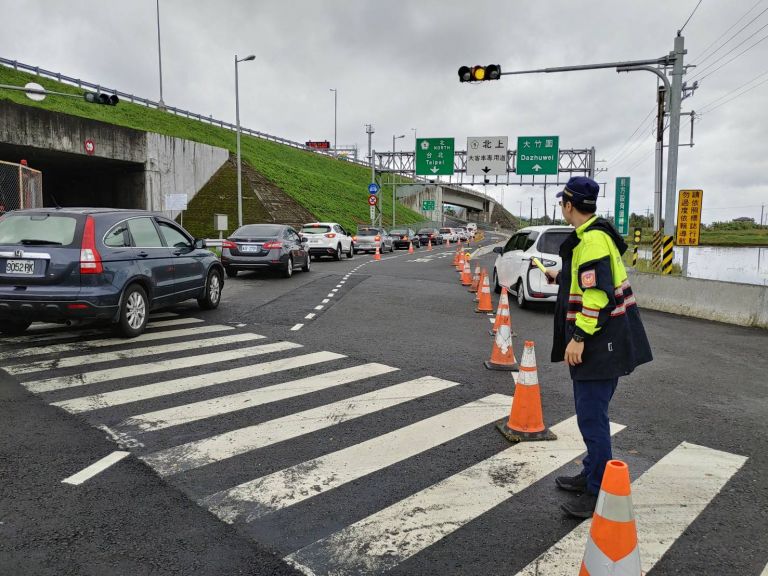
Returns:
(373, 188)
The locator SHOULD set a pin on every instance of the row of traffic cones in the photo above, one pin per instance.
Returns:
(611, 548)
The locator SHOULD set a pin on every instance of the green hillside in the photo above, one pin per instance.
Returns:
(331, 189)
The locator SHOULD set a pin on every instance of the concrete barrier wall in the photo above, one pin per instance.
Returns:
(741, 304)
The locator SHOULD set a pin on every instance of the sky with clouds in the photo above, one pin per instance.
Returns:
(394, 65)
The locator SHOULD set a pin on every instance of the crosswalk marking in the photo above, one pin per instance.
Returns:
(666, 499)
(97, 376)
(66, 333)
(84, 360)
(170, 387)
(259, 497)
(229, 444)
(226, 404)
(765, 571)
(88, 345)
(386, 538)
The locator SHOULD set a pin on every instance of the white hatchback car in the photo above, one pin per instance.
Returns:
(515, 270)
(327, 239)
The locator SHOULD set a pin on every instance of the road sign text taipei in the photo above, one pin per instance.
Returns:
(537, 155)
(434, 156)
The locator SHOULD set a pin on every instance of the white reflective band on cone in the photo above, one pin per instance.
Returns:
(598, 564)
(616, 508)
(504, 338)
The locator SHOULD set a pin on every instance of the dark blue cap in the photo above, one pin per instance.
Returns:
(581, 191)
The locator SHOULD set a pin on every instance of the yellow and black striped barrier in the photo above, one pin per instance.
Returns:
(657, 249)
(669, 253)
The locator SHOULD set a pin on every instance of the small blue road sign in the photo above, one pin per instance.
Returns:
(373, 188)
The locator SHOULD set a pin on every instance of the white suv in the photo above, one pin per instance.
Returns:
(449, 234)
(515, 270)
(327, 239)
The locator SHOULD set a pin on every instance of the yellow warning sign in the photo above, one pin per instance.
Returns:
(689, 217)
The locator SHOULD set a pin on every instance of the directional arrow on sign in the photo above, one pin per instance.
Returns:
(486, 169)
(435, 170)
(536, 167)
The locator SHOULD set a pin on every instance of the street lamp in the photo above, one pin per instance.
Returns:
(414, 137)
(159, 55)
(237, 120)
(394, 185)
(335, 108)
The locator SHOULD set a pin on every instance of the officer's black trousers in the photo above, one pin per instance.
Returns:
(592, 398)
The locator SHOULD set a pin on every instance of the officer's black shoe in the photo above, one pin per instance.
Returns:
(583, 507)
(576, 483)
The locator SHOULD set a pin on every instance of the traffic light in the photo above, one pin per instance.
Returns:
(479, 73)
(101, 98)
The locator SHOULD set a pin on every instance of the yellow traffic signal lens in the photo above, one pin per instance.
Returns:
(478, 73)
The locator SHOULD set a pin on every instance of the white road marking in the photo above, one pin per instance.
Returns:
(310, 316)
(88, 359)
(259, 497)
(170, 387)
(66, 333)
(230, 444)
(666, 499)
(331, 295)
(384, 539)
(296, 327)
(325, 301)
(95, 468)
(232, 403)
(765, 571)
(319, 307)
(97, 376)
(337, 288)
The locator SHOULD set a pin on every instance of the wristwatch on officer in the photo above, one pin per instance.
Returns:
(578, 338)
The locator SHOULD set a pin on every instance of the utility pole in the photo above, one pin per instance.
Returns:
(674, 134)
(370, 131)
(159, 55)
(531, 221)
(335, 107)
(394, 177)
(762, 209)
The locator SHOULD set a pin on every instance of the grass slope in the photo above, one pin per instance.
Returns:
(750, 237)
(331, 189)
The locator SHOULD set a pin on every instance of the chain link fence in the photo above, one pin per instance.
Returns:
(20, 187)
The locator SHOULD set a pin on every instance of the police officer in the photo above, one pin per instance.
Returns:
(597, 331)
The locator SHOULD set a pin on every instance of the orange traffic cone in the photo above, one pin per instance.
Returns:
(429, 245)
(447, 241)
(455, 259)
(377, 254)
(502, 355)
(460, 262)
(612, 543)
(466, 275)
(502, 312)
(475, 280)
(483, 274)
(526, 422)
(410, 248)
(485, 304)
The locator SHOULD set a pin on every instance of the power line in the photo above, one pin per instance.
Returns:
(631, 153)
(708, 104)
(737, 95)
(689, 18)
(632, 135)
(734, 58)
(699, 72)
(704, 58)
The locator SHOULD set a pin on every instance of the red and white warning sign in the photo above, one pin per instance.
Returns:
(373, 200)
(90, 147)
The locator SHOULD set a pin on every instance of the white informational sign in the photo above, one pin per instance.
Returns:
(220, 222)
(373, 213)
(175, 201)
(487, 155)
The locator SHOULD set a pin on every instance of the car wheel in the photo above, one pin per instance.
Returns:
(521, 301)
(337, 256)
(134, 312)
(231, 272)
(14, 327)
(391, 248)
(314, 258)
(496, 285)
(351, 250)
(288, 271)
(306, 266)
(212, 296)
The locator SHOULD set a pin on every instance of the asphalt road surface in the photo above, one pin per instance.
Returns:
(341, 422)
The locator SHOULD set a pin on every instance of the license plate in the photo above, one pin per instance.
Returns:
(250, 248)
(20, 267)
(314, 240)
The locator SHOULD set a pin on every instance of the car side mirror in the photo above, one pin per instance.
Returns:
(499, 250)
(199, 244)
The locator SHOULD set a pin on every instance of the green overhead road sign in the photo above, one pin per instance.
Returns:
(622, 205)
(427, 205)
(537, 155)
(434, 156)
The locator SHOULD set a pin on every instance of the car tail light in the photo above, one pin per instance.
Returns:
(404, 238)
(354, 238)
(228, 244)
(77, 306)
(90, 259)
(331, 235)
(273, 245)
(377, 238)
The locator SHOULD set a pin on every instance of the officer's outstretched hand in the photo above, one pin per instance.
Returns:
(573, 352)
(551, 277)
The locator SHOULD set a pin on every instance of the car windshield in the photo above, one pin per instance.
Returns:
(445, 231)
(38, 229)
(315, 229)
(550, 242)
(257, 230)
(426, 231)
(398, 231)
(368, 232)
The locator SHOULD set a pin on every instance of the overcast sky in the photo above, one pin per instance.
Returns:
(394, 64)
